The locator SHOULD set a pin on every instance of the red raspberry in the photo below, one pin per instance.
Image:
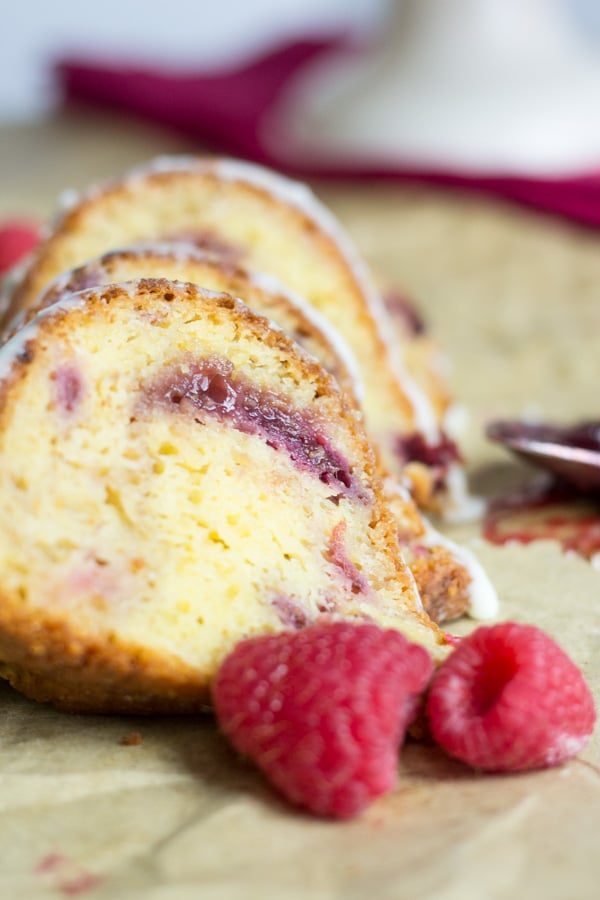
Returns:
(324, 710)
(18, 237)
(509, 699)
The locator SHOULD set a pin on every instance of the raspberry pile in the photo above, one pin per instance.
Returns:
(324, 711)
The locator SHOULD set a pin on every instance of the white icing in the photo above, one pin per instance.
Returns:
(461, 506)
(67, 199)
(565, 746)
(455, 421)
(595, 561)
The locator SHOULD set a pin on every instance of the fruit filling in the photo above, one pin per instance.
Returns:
(338, 555)
(414, 448)
(289, 612)
(68, 387)
(211, 387)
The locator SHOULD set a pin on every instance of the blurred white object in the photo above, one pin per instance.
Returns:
(509, 86)
(181, 35)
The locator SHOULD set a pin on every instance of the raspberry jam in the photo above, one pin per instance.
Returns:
(411, 448)
(210, 387)
(414, 448)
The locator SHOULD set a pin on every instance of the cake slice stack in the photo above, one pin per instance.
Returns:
(250, 216)
(448, 578)
(231, 227)
(176, 474)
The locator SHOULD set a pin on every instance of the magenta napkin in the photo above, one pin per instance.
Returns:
(228, 109)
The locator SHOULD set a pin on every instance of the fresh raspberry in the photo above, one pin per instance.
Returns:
(509, 699)
(18, 237)
(323, 711)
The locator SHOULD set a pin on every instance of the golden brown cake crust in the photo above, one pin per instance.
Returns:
(443, 584)
(49, 661)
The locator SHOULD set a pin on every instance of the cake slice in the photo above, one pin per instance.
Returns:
(249, 215)
(177, 474)
(449, 580)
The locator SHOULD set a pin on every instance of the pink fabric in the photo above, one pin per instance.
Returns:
(226, 110)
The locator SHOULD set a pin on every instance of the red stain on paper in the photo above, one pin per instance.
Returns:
(544, 509)
(66, 876)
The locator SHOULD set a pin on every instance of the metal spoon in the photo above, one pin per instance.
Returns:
(571, 453)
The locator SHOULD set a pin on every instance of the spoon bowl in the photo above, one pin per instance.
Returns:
(571, 453)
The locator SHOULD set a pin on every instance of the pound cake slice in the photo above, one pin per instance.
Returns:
(447, 578)
(250, 215)
(177, 474)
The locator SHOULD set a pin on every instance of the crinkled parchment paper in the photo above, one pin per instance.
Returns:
(179, 815)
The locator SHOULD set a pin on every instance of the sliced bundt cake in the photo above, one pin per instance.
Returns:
(446, 576)
(250, 215)
(177, 474)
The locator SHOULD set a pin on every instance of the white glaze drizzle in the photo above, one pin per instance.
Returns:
(461, 506)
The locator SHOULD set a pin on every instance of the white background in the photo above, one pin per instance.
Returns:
(174, 33)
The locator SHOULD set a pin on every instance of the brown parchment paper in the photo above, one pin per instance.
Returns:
(516, 300)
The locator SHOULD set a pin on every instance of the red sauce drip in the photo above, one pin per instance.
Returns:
(545, 509)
